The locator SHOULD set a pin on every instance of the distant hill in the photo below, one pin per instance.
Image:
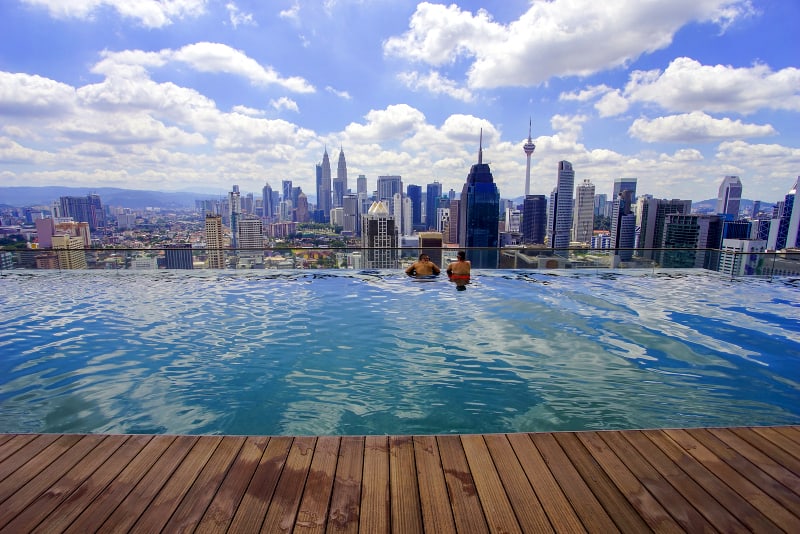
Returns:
(21, 197)
(745, 206)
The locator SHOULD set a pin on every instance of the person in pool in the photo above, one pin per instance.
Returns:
(458, 271)
(423, 267)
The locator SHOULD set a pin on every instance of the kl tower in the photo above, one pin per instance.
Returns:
(528, 147)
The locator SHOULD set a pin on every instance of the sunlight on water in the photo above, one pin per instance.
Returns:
(338, 352)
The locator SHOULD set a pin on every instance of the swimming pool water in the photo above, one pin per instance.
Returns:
(344, 352)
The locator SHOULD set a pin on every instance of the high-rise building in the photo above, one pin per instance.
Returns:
(528, 147)
(287, 191)
(178, 256)
(402, 213)
(215, 254)
(455, 217)
(652, 214)
(379, 237)
(388, 186)
(583, 222)
(430, 243)
(730, 196)
(324, 196)
(559, 219)
(600, 205)
(432, 195)
(623, 222)
(479, 214)
(70, 251)
(88, 209)
(534, 219)
(302, 213)
(414, 193)
(235, 215)
(624, 184)
(784, 230)
(691, 241)
(251, 241)
(340, 182)
(352, 215)
(740, 257)
(361, 184)
(266, 202)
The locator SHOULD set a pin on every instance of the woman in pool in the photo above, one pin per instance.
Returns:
(423, 267)
(458, 271)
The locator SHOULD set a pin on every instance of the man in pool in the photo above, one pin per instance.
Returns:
(458, 271)
(423, 267)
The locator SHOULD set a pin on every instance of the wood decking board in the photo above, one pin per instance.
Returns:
(723, 479)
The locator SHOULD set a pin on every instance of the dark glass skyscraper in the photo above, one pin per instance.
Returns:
(432, 195)
(534, 219)
(414, 192)
(479, 215)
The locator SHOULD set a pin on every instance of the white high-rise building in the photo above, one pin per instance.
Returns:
(379, 238)
(583, 222)
(740, 257)
(559, 220)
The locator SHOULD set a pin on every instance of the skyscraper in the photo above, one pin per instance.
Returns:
(528, 147)
(88, 209)
(730, 195)
(266, 203)
(361, 184)
(785, 228)
(624, 184)
(215, 254)
(414, 192)
(178, 256)
(432, 195)
(387, 187)
(235, 214)
(352, 215)
(652, 215)
(583, 222)
(479, 213)
(534, 219)
(379, 237)
(324, 199)
(623, 226)
(559, 220)
(340, 182)
(692, 232)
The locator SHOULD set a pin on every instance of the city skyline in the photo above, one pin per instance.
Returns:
(199, 95)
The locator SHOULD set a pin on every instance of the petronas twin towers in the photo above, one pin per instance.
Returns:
(331, 197)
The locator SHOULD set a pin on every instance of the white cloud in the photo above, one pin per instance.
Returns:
(695, 127)
(218, 57)
(293, 13)
(26, 95)
(150, 13)
(435, 83)
(341, 94)
(237, 17)
(393, 123)
(590, 93)
(687, 85)
(612, 104)
(250, 112)
(284, 103)
(556, 38)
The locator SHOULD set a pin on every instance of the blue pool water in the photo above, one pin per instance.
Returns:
(338, 352)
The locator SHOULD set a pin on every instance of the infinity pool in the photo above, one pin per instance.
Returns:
(344, 352)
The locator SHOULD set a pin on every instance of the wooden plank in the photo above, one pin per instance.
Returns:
(780, 439)
(490, 489)
(375, 510)
(618, 507)
(527, 508)
(45, 479)
(560, 512)
(195, 503)
(791, 432)
(12, 443)
(756, 466)
(223, 506)
(95, 514)
(662, 467)
(313, 511)
(403, 488)
(140, 497)
(467, 510)
(282, 511)
(770, 509)
(57, 493)
(23, 464)
(437, 516)
(775, 452)
(657, 518)
(346, 496)
(163, 506)
(250, 514)
(588, 508)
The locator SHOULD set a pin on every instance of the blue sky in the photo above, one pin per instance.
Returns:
(198, 95)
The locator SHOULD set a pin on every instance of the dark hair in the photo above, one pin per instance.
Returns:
(462, 255)
(422, 256)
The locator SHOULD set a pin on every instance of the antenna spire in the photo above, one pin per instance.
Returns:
(480, 148)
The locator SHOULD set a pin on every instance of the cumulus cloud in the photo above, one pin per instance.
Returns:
(25, 95)
(435, 83)
(149, 13)
(687, 85)
(695, 127)
(284, 103)
(395, 122)
(556, 38)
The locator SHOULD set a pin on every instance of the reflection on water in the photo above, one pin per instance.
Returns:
(374, 353)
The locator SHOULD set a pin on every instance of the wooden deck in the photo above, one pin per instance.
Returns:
(729, 480)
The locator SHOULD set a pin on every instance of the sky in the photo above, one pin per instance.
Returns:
(199, 95)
